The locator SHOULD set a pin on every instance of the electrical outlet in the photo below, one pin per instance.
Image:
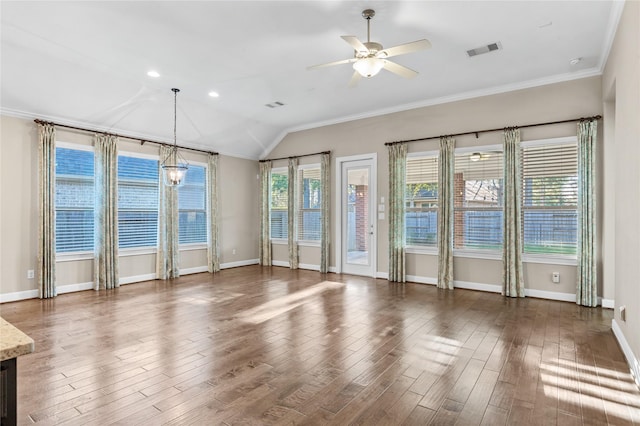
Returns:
(555, 277)
(623, 313)
(233, 251)
(31, 274)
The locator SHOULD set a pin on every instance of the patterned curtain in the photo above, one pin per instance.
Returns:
(397, 185)
(445, 213)
(292, 209)
(168, 257)
(213, 247)
(325, 167)
(512, 274)
(265, 225)
(587, 285)
(105, 236)
(46, 211)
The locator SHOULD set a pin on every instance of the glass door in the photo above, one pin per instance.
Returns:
(357, 199)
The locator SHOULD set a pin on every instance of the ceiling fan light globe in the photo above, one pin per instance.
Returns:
(368, 67)
(476, 156)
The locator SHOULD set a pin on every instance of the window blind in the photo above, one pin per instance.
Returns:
(279, 200)
(550, 197)
(192, 213)
(137, 202)
(74, 200)
(478, 200)
(421, 198)
(309, 211)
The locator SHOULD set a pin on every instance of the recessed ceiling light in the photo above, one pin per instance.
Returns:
(575, 61)
(214, 94)
(154, 74)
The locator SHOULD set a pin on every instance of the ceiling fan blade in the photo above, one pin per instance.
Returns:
(355, 78)
(329, 64)
(402, 71)
(402, 49)
(356, 44)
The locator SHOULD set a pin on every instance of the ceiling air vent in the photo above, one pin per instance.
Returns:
(275, 104)
(484, 49)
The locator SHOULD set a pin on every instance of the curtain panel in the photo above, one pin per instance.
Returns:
(265, 225)
(292, 209)
(46, 211)
(445, 212)
(325, 167)
(587, 282)
(512, 273)
(168, 257)
(397, 184)
(105, 237)
(213, 230)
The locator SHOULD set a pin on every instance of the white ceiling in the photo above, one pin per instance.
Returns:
(85, 63)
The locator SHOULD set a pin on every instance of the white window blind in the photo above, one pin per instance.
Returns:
(279, 200)
(478, 200)
(74, 200)
(192, 213)
(421, 198)
(309, 211)
(137, 202)
(550, 197)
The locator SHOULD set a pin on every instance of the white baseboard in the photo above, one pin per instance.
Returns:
(137, 279)
(71, 288)
(468, 285)
(422, 280)
(607, 303)
(551, 295)
(382, 275)
(333, 269)
(18, 295)
(281, 263)
(196, 270)
(239, 263)
(632, 360)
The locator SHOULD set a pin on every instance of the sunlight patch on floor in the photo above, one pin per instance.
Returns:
(273, 308)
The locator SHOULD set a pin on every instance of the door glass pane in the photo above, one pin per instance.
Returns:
(358, 222)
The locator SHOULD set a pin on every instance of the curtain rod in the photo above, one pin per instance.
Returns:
(477, 132)
(295, 156)
(142, 141)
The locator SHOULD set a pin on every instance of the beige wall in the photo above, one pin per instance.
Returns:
(621, 89)
(554, 102)
(18, 211)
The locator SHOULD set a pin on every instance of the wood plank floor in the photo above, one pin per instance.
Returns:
(259, 345)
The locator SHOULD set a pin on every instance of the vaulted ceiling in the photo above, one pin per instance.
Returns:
(86, 63)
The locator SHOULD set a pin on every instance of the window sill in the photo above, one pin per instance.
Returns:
(192, 246)
(136, 251)
(550, 259)
(478, 254)
(279, 241)
(432, 251)
(74, 256)
(309, 243)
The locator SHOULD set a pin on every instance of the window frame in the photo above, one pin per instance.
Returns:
(548, 258)
(133, 251)
(278, 170)
(414, 248)
(205, 244)
(71, 256)
(306, 243)
(476, 253)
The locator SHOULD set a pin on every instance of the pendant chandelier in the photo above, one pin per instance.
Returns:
(174, 166)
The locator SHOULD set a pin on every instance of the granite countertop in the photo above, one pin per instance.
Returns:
(13, 342)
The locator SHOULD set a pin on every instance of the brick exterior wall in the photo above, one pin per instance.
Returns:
(362, 217)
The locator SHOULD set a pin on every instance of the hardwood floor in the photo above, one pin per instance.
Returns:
(259, 345)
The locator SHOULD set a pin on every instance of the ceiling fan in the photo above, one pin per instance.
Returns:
(370, 57)
(480, 156)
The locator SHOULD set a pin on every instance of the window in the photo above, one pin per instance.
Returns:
(192, 211)
(279, 200)
(309, 212)
(550, 197)
(421, 198)
(478, 199)
(137, 202)
(74, 200)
